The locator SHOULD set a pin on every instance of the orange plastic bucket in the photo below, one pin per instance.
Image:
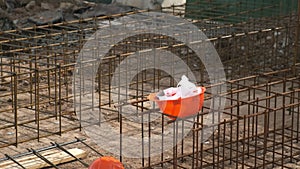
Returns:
(106, 163)
(181, 107)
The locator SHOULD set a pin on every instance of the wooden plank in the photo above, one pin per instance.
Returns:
(29, 157)
(34, 162)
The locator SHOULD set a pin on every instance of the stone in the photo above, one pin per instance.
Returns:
(47, 6)
(78, 2)
(267, 69)
(10, 4)
(3, 14)
(25, 83)
(69, 16)
(2, 4)
(5, 22)
(9, 100)
(102, 10)
(15, 21)
(206, 142)
(24, 2)
(89, 3)
(80, 10)
(30, 5)
(141, 4)
(46, 17)
(10, 133)
(291, 165)
(66, 5)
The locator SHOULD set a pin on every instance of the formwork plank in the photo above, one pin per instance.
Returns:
(54, 156)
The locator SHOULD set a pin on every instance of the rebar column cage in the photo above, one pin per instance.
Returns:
(258, 43)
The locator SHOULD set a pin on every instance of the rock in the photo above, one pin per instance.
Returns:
(30, 5)
(267, 69)
(102, 10)
(3, 14)
(142, 4)
(15, 22)
(69, 16)
(46, 17)
(88, 3)
(5, 22)
(291, 165)
(10, 133)
(2, 4)
(65, 6)
(10, 4)
(80, 10)
(101, 1)
(9, 100)
(73, 2)
(206, 142)
(25, 83)
(24, 2)
(47, 6)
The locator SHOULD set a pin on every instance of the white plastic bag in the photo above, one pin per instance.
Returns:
(184, 89)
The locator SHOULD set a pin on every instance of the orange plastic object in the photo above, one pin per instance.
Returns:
(106, 163)
(181, 107)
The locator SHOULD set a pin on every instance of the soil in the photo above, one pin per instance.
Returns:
(69, 120)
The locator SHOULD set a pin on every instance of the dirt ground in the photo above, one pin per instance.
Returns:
(135, 163)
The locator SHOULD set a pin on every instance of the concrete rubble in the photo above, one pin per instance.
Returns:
(26, 13)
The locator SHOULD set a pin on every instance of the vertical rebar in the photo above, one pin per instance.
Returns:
(197, 143)
(256, 134)
(60, 98)
(143, 141)
(37, 101)
(283, 124)
(292, 124)
(175, 130)
(99, 92)
(231, 125)
(275, 128)
(15, 104)
(224, 142)
(237, 132)
(266, 125)
(121, 130)
(297, 43)
(56, 88)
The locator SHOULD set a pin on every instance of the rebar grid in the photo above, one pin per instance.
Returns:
(261, 124)
(42, 154)
(260, 128)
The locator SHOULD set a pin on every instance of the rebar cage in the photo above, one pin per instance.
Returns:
(258, 44)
